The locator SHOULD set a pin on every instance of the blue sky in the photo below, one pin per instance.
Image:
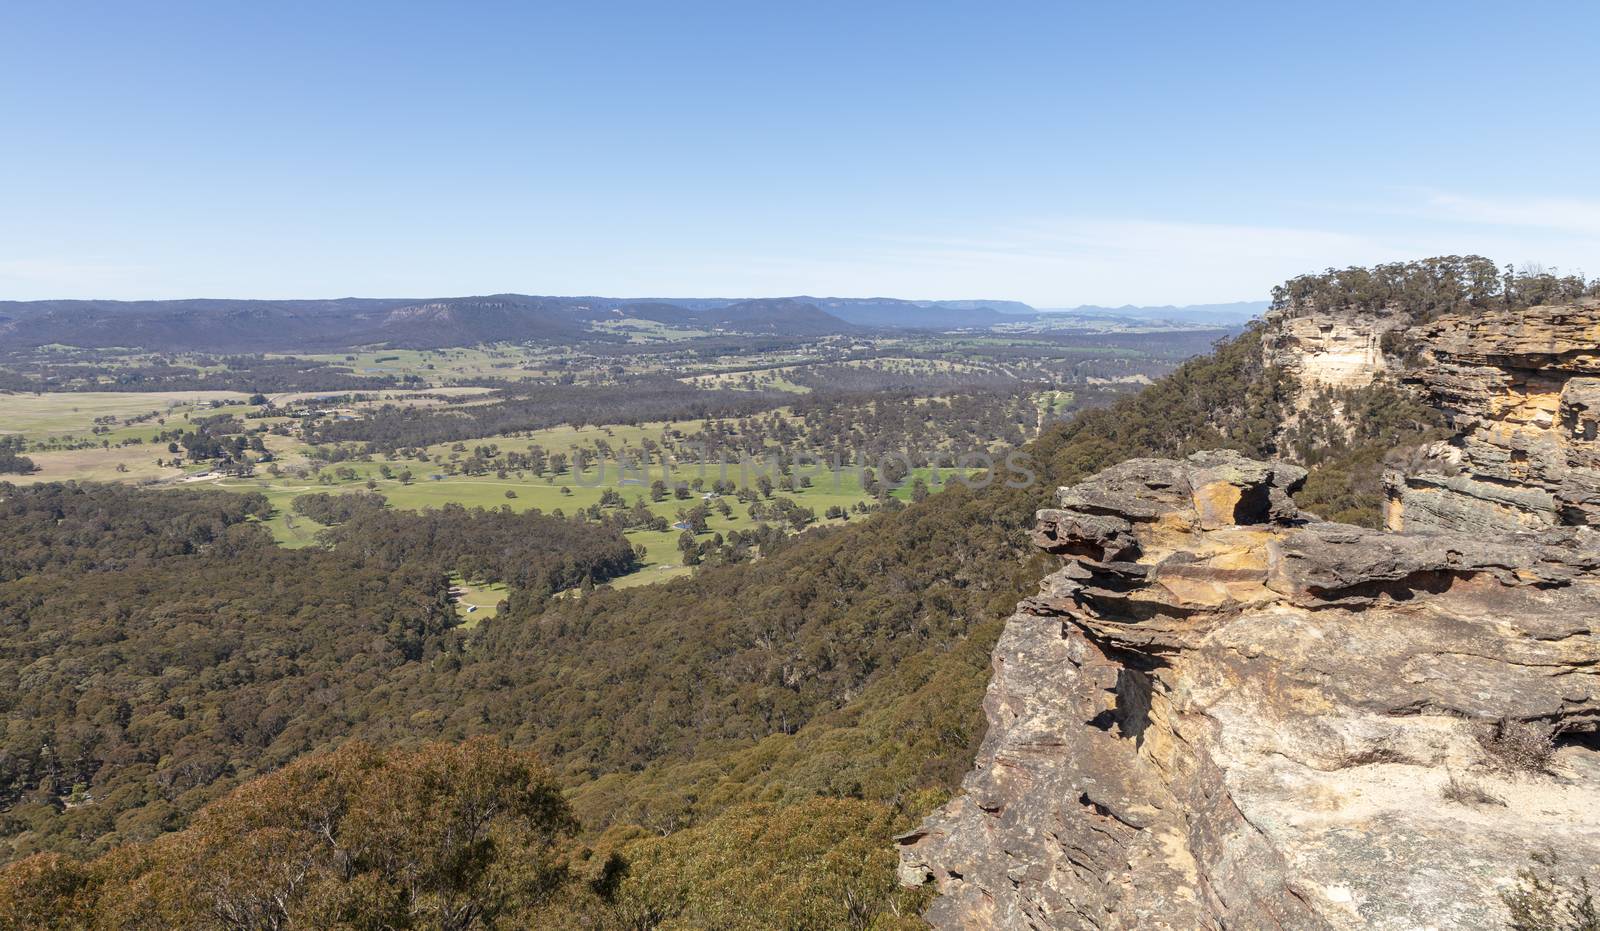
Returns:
(1057, 153)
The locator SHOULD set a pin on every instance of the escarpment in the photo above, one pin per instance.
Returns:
(1330, 350)
(1224, 712)
(1523, 391)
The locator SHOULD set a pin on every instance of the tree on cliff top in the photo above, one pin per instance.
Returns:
(1426, 288)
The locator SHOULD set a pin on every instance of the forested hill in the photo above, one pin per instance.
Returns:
(341, 324)
(234, 326)
(305, 326)
(737, 747)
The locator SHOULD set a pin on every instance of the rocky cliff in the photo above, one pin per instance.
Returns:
(1523, 391)
(1330, 350)
(1223, 712)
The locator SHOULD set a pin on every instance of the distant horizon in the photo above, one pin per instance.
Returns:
(981, 302)
(1061, 153)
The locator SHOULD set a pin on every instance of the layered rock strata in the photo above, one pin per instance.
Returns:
(1523, 390)
(1224, 713)
(1329, 350)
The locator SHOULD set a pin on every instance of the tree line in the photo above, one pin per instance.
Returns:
(1427, 288)
(12, 462)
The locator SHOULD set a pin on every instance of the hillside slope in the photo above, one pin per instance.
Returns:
(778, 722)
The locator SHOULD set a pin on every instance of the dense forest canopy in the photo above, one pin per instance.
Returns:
(160, 647)
(537, 553)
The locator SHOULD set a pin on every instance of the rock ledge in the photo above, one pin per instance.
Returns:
(1225, 713)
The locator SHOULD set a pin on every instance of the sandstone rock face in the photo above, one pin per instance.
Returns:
(1224, 713)
(1335, 351)
(1523, 390)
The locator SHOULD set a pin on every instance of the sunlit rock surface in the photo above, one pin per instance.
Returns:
(1523, 390)
(1224, 713)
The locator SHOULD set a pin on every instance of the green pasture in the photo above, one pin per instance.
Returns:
(648, 331)
(54, 414)
(440, 366)
(565, 493)
(53, 417)
(476, 602)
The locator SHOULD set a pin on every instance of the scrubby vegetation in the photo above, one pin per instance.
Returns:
(1427, 288)
(1463, 791)
(1548, 898)
(462, 836)
(1519, 746)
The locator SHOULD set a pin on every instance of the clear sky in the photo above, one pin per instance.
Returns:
(1057, 153)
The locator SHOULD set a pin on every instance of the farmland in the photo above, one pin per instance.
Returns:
(864, 403)
(127, 454)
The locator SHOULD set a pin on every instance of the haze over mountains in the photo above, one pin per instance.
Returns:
(1229, 314)
(226, 325)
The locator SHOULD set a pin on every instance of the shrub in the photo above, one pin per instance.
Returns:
(1467, 792)
(1543, 900)
(1519, 746)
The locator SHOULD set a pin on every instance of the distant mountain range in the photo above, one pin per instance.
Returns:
(783, 316)
(1222, 314)
(882, 311)
(210, 325)
(890, 312)
(257, 326)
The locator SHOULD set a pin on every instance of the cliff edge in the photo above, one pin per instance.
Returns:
(1223, 712)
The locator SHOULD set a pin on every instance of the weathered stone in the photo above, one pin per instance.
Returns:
(1229, 489)
(1521, 387)
(1343, 351)
(1251, 724)
(1223, 712)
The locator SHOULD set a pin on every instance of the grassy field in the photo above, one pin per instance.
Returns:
(754, 380)
(1055, 402)
(117, 464)
(648, 331)
(61, 442)
(442, 366)
(59, 429)
(52, 418)
(476, 602)
(74, 412)
(564, 494)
